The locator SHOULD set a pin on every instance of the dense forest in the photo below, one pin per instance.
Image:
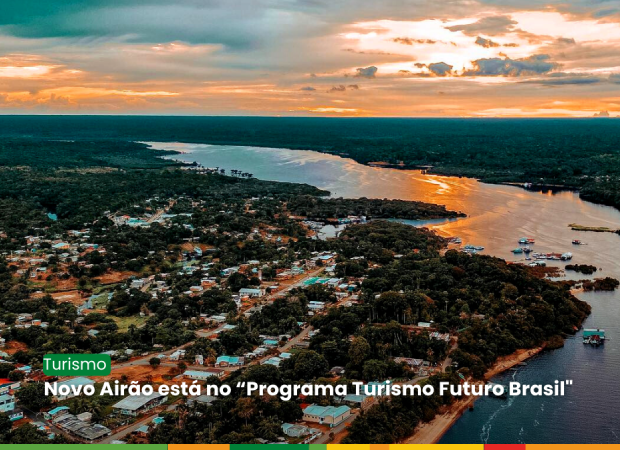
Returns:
(325, 208)
(580, 153)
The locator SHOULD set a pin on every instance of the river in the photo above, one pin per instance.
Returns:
(497, 217)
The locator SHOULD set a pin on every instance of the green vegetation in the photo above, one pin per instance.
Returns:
(577, 227)
(321, 208)
(578, 153)
(586, 269)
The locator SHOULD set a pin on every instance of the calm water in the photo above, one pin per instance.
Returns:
(497, 217)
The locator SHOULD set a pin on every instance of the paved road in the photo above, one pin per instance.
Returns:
(324, 439)
(133, 427)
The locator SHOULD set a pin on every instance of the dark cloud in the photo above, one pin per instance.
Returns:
(602, 114)
(440, 69)
(486, 43)
(343, 88)
(602, 13)
(339, 88)
(307, 88)
(491, 26)
(493, 67)
(566, 41)
(411, 41)
(566, 79)
(420, 65)
(366, 72)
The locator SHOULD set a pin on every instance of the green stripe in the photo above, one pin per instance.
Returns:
(318, 447)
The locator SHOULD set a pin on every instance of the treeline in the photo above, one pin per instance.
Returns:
(581, 153)
(321, 208)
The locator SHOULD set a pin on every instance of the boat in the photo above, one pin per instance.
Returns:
(593, 336)
(502, 395)
(577, 242)
(531, 241)
(566, 256)
(478, 248)
(523, 241)
(526, 241)
(517, 250)
(527, 250)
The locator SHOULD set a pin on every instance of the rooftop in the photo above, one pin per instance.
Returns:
(134, 402)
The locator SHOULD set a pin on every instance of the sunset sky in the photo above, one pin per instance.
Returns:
(310, 58)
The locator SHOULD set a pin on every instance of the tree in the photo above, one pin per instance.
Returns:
(33, 396)
(154, 362)
(359, 351)
(374, 370)
(306, 365)
(5, 426)
(245, 408)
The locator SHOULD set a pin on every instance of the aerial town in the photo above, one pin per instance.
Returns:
(182, 274)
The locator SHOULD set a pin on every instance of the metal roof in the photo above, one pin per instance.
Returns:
(326, 411)
(134, 402)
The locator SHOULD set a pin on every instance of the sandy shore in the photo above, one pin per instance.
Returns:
(431, 432)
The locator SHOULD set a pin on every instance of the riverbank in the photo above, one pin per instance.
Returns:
(433, 431)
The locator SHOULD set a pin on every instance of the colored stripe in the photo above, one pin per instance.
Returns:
(504, 447)
(437, 447)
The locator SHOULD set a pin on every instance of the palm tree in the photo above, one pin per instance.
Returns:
(245, 408)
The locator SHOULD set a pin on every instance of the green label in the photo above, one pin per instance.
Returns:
(76, 365)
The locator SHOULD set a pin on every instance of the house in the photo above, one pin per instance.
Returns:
(328, 415)
(440, 336)
(7, 403)
(296, 430)
(56, 412)
(81, 429)
(73, 382)
(204, 399)
(229, 361)
(273, 361)
(6, 386)
(15, 414)
(143, 430)
(337, 370)
(203, 374)
(251, 292)
(135, 405)
(411, 362)
(316, 306)
(229, 271)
